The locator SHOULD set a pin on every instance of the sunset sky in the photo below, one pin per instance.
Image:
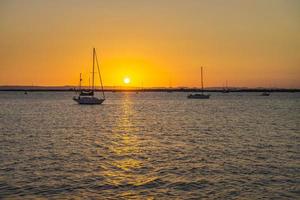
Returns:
(249, 43)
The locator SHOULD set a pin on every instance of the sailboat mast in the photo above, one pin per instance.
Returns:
(93, 85)
(202, 80)
(99, 73)
(80, 80)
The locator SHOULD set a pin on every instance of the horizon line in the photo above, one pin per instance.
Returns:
(140, 88)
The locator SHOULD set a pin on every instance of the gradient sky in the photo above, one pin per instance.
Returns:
(249, 43)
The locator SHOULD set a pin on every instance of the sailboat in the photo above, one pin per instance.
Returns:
(225, 90)
(265, 94)
(88, 96)
(170, 87)
(199, 95)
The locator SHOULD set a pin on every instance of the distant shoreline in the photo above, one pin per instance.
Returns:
(148, 90)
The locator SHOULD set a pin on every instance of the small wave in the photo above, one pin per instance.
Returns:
(148, 184)
(189, 186)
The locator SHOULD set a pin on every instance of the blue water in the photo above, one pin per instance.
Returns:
(150, 146)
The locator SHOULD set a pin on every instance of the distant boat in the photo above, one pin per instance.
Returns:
(87, 96)
(265, 94)
(25, 92)
(225, 90)
(170, 90)
(199, 95)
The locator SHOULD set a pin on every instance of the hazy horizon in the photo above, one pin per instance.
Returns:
(125, 87)
(251, 43)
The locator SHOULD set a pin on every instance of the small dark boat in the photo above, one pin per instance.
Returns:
(225, 91)
(265, 94)
(199, 95)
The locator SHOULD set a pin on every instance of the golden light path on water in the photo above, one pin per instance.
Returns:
(126, 147)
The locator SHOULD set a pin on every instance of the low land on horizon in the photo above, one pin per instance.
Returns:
(148, 89)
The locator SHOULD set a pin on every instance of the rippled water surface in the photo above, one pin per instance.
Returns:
(150, 146)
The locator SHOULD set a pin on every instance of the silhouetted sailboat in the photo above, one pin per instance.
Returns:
(170, 90)
(265, 94)
(199, 95)
(87, 96)
(225, 90)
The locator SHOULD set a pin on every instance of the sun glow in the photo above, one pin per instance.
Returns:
(126, 80)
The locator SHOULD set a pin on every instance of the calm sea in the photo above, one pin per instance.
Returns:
(150, 146)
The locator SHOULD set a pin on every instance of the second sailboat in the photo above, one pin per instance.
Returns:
(199, 95)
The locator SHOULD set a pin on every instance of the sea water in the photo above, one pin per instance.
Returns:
(150, 146)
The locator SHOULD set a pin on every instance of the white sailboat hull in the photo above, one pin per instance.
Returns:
(88, 100)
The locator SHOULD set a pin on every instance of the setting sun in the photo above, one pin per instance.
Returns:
(126, 80)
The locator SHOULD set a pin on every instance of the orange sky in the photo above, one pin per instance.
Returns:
(249, 43)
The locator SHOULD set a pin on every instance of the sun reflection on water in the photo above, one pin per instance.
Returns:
(126, 165)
